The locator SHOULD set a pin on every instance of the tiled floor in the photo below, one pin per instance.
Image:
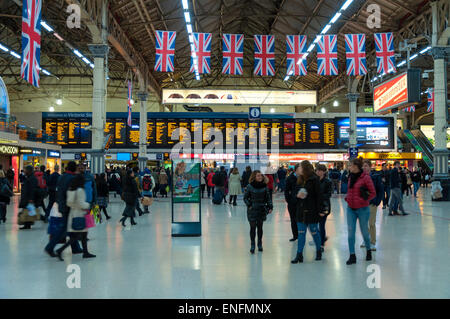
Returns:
(146, 262)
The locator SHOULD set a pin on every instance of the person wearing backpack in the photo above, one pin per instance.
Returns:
(6, 193)
(148, 183)
(42, 191)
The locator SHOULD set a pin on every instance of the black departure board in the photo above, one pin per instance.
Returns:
(151, 132)
(207, 131)
(172, 125)
(161, 137)
(50, 128)
(120, 134)
(230, 133)
(133, 133)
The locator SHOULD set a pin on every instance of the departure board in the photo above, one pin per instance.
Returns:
(120, 133)
(151, 131)
(230, 133)
(161, 138)
(242, 126)
(300, 131)
(288, 134)
(133, 133)
(74, 132)
(219, 126)
(264, 133)
(85, 135)
(62, 132)
(207, 133)
(253, 128)
(275, 133)
(196, 130)
(172, 125)
(50, 129)
(185, 130)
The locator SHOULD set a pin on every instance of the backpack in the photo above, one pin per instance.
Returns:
(42, 183)
(147, 184)
(5, 190)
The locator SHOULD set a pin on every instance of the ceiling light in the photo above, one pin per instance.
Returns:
(323, 110)
(413, 57)
(325, 30)
(336, 103)
(187, 17)
(132, 102)
(272, 110)
(336, 16)
(46, 26)
(51, 109)
(59, 101)
(189, 29)
(45, 72)
(185, 4)
(86, 61)
(425, 50)
(286, 78)
(58, 36)
(77, 53)
(346, 4)
(91, 65)
(14, 54)
(4, 48)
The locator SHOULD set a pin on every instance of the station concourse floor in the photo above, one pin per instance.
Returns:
(144, 261)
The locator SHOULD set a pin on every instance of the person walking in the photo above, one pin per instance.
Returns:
(282, 178)
(29, 193)
(90, 186)
(42, 190)
(374, 203)
(258, 202)
(163, 182)
(409, 182)
(52, 183)
(234, 186)
(156, 187)
(130, 195)
(63, 210)
(361, 190)
(202, 182)
(309, 207)
(220, 181)
(246, 176)
(10, 177)
(6, 192)
(138, 179)
(79, 207)
(415, 177)
(148, 183)
(210, 184)
(291, 200)
(102, 195)
(344, 181)
(326, 189)
(335, 176)
(386, 179)
(396, 201)
(269, 176)
(115, 183)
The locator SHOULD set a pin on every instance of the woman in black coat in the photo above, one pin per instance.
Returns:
(309, 207)
(5, 195)
(130, 196)
(259, 204)
(325, 191)
(102, 194)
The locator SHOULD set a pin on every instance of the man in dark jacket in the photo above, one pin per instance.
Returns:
(220, 180)
(28, 194)
(396, 200)
(246, 176)
(335, 177)
(90, 187)
(291, 200)
(415, 177)
(386, 179)
(52, 183)
(282, 178)
(61, 198)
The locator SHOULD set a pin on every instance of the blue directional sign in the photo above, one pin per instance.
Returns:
(254, 113)
(353, 152)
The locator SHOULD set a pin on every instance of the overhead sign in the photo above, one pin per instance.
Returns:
(398, 92)
(55, 154)
(353, 152)
(4, 99)
(254, 113)
(391, 156)
(243, 97)
(9, 150)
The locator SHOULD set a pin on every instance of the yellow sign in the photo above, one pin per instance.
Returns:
(390, 156)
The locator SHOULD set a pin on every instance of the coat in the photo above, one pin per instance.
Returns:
(245, 177)
(289, 190)
(308, 209)
(258, 202)
(61, 193)
(28, 192)
(3, 198)
(209, 179)
(76, 200)
(163, 179)
(130, 191)
(325, 191)
(234, 185)
(379, 188)
(353, 197)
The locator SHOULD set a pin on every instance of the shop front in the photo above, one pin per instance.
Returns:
(32, 156)
(408, 160)
(53, 159)
(9, 159)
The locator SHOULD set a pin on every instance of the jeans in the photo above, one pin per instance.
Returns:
(335, 186)
(58, 237)
(396, 200)
(372, 224)
(387, 194)
(363, 215)
(416, 188)
(302, 235)
(323, 234)
(282, 185)
(210, 191)
(74, 238)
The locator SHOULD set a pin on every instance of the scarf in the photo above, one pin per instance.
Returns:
(257, 185)
(353, 178)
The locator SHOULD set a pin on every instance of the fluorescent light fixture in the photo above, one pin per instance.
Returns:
(413, 57)
(185, 4)
(197, 77)
(336, 16)
(194, 55)
(77, 53)
(325, 30)
(86, 61)
(191, 39)
(425, 50)
(51, 109)
(46, 72)
(4, 48)
(323, 110)
(187, 17)
(311, 47)
(59, 101)
(286, 78)
(58, 36)
(189, 28)
(92, 65)
(401, 64)
(14, 54)
(346, 4)
(46, 26)
(315, 40)
(132, 102)
(272, 110)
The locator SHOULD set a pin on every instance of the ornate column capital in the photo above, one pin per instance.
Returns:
(99, 50)
(352, 97)
(142, 96)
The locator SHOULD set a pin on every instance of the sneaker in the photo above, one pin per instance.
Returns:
(384, 207)
(404, 214)
(373, 248)
(363, 245)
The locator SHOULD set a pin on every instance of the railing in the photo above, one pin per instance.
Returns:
(9, 124)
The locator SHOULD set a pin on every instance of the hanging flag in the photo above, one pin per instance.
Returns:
(202, 45)
(327, 62)
(384, 45)
(31, 41)
(430, 104)
(233, 54)
(411, 108)
(130, 91)
(165, 51)
(355, 49)
(295, 52)
(264, 55)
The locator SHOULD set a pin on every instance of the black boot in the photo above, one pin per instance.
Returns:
(252, 248)
(58, 254)
(319, 255)
(351, 260)
(369, 255)
(123, 221)
(133, 222)
(88, 255)
(297, 259)
(260, 247)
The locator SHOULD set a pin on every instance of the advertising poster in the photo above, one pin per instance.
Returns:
(186, 181)
(4, 99)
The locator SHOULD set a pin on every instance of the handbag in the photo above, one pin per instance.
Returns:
(55, 224)
(78, 223)
(89, 220)
(95, 212)
(147, 201)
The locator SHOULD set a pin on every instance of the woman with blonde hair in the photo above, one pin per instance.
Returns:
(234, 185)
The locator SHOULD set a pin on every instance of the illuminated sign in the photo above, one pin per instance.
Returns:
(4, 99)
(398, 92)
(391, 156)
(56, 154)
(9, 150)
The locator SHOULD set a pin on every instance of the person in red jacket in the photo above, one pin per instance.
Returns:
(209, 183)
(360, 192)
(270, 183)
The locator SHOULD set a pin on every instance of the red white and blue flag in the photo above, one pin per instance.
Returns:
(384, 46)
(202, 45)
(411, 108)
(31, 41)
(130, 91)
(295, 51)
(264, 55)
(165, 51)
(233, 54)
(327, 61)
(355, 49)
(430, 104)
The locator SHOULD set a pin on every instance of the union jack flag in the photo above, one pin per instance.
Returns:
(130, 91)
(327, 62)
(355, 49)
(430, 104)
(264, 55)
(233, 54)
(165, 51)
(296, 50)
(202, 45)
(384, 45)
(31, 41)
(411, 108)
